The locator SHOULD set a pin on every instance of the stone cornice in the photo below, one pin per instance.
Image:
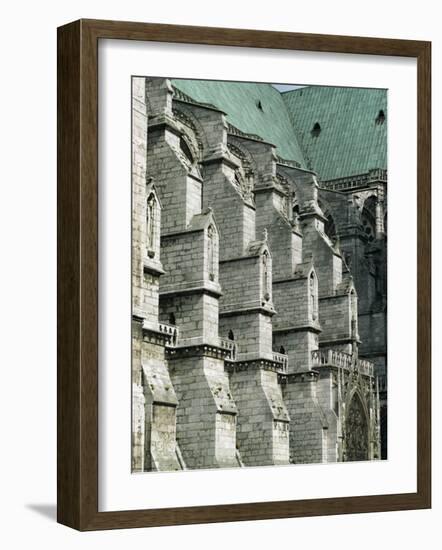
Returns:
(219, 158)
(233, 312)
(162, 122)
(302, 376)
(263, 363)
(155, 268)
(299, 328)
(198, 350)
(214, 291)
(338, 341)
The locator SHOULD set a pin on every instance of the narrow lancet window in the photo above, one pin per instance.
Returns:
(313, 296)
(211, 252)
(150, 225)
(266, 276)
(354, 314)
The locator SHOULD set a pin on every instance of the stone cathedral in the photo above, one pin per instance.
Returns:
(258, 274)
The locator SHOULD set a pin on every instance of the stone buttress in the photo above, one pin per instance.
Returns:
(190, 289)
(246, 307)
(154, 399)
(295, 295)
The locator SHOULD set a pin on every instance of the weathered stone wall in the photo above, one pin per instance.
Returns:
(298, 345)
(242, 292)
(308, 424)
(154, 402)
(206, 427)
(252, 332)
(284, 242)
(196, 314)
(235, 218)
(138, 401)
(335, 318)
(327, 395)
(160, 410)
(263, 429)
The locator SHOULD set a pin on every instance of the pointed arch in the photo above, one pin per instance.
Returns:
(354, 313)
(212, 255)
(190, 125)
(313, 295)
(266, 276)
(152, 222)
(357, 444)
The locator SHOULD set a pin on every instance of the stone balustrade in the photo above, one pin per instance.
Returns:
(333, 358)
(171, 330)
(351, 182)
(282, 360)
(228, 345)
(330, 357)
(366, 367)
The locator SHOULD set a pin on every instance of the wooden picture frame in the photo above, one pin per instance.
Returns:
(77, 226)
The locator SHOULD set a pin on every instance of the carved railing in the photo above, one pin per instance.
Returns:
(360, 180)
(230, 346)
(171, 330)
(366, 367)
(333, 358)
(282, 360)
(287, 162)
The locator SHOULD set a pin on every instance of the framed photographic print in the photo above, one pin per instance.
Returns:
(243, 275)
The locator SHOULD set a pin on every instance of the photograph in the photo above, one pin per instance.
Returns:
(259, 274)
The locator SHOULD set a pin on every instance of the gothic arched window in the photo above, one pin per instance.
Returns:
(354, 313)
(211, 243)
(266, 276)
(151, 214)
(313, 291)
(231, 336)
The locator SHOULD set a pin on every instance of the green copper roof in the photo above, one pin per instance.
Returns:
(252, 108)
(350, 141)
